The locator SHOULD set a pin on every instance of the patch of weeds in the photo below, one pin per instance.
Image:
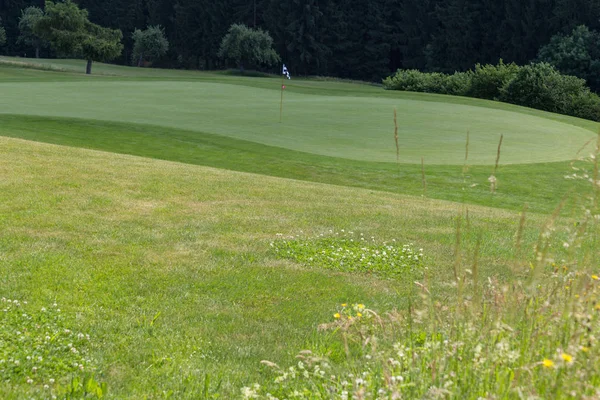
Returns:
(350, 252)
(37, 348)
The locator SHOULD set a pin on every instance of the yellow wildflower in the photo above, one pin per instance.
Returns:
(359, 314)
(595, 277)
(584, 349)
(344, 305)
(336, 315)
(548, 363)
(597, 306)
(361, 306)
(567, 358)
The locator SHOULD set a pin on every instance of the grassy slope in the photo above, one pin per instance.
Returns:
(354, 127)
(539, 185)
(116, 239)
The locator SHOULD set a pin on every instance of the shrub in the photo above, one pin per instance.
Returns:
(538, 86)
(488, 80)
(586, 105)
(410, 80)
(458, 84)
(416, 81)
(541, 86)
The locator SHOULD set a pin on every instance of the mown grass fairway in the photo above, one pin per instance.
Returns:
(166, 261)
(352, 127)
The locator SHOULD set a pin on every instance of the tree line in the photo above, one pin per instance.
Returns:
(358, 39)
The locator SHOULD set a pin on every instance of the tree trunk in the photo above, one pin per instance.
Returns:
(140, 60)
(37, 52)
(88, 68)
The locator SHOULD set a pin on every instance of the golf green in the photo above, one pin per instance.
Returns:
(359, 128)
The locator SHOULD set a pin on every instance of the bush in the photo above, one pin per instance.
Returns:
(541, 86)
(416, 81)
(488, 80)
(409, 80)
(458, 84)
(586, 105)
(538, 86)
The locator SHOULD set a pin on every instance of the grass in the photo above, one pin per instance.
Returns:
(539, 185)
(353, 127)
(118, 240)
(167, 263)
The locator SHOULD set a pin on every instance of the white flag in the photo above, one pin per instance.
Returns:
(286, 72)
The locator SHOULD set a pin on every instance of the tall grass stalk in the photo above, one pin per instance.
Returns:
(492, 179)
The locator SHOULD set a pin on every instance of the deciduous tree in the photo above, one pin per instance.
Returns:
(248, 47)
(29, 18)
(149, 44)
(67, 28)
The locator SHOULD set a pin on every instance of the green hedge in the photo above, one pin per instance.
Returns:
(538, 85)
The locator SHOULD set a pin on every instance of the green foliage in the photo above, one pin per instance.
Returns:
(347, 38)
(149, 44)
(67, 28)
(101, 44)
(248, 47)
(83, 387)
(27, 22)
(348, 252)
(63, 25)
(37, 346)
(488, 80)
(458, 83)
(576, 54)
(541, 86)
(538, 86)
(434, 82)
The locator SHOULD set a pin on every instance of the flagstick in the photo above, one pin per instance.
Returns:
(281, 104)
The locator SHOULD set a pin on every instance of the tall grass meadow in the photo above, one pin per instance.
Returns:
(535, 336)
